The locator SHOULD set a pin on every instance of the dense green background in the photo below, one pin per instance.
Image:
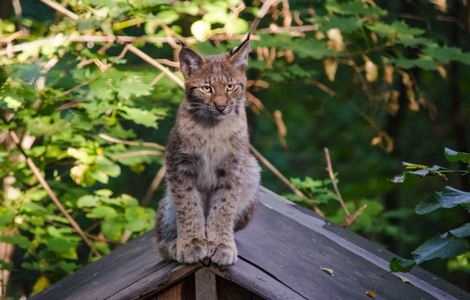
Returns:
(353, 114)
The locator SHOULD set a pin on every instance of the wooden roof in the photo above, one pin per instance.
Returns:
(281, 256)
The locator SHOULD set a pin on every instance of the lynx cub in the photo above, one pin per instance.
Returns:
(212, 179)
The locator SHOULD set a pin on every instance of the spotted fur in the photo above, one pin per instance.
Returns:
(212, 179)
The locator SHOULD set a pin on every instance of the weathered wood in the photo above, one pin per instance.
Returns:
(355, 249)
(205, 285)
(155, 282)
(281, 254)
(129, 272)
(228, 290)
(257, 281)
(183, 290)
(427, 280)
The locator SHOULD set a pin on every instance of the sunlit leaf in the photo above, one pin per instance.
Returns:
(140, 116)
(454, 156)
(87, 201)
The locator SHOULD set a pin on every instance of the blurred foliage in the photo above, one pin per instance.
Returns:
(376, 81)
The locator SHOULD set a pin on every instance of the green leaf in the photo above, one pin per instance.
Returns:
(5, 265)
(6, 216)
(447, 54)
(167, 16)
(419, 170)
(454, 156)
(462, 231)
(400, 30)
(439, 247)
(104, 193)
(443, 246)
(133, 86)
(16, 239)
(401, 265)
(354, 8)
(87, 201)
(59, 244)
(304, 48)
(67, 267)
(11, 102)
(103, 212)
(140, 116)
(128, 200)
(448, 198)
(139, 219)
(3, 76)
(218, 15)
(424, 63)
(113, 228)
(237, 26)
(107, 166)
(345, 24)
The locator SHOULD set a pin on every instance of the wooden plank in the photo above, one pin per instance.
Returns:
(205, 285)
(127, 264)
(281, 254)
(282, 245)
(172, 293)
(183, 290)
(153, 283)
(417, 276)
(257, 281)
(359, 246)
(228, 290)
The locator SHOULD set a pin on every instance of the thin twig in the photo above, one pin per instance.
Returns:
(157, 79)
(86, 82)
(350, 219)
(156, 64)
(61, 39)
(291, 29)
(130, 143)
(52, 195)
(61, 9)
(333, 180)
(322, 87)
(281, 177)
(157, 180)
(261, 13)
(136, 154)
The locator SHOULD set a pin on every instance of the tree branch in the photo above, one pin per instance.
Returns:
(136, 154)
(61, 9)
(52, 195)
(329, 167)
(281, 177)
(157, 180)
(156, 64)
(130, 143)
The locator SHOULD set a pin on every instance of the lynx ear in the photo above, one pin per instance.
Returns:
(239, 55)
(190, 61)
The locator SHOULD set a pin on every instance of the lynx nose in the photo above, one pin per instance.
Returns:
(221, 108)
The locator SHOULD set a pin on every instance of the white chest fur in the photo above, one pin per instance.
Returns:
(215, 147)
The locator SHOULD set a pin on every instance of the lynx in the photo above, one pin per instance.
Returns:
(212, 179)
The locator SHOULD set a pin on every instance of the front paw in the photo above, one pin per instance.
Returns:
(192, 251)
(225, 254)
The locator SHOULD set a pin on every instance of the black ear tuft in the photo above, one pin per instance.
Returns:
(190, 61)
(239, 55)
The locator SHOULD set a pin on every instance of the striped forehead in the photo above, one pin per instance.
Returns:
(218, 70)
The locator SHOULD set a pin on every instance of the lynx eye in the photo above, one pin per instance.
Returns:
(231, 87)
(206, 89)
